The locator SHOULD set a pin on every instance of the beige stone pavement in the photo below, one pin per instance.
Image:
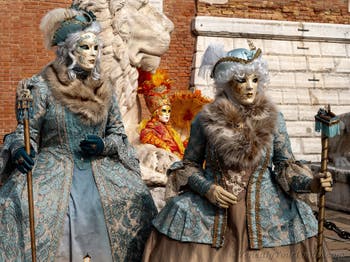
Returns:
(340, 248)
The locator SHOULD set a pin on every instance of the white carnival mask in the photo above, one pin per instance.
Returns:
(164, 114)
(86, 51)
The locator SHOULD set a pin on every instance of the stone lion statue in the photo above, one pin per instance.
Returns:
(135, 35)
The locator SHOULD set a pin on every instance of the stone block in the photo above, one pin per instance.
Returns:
(337, 81)
(200, 44)
(282, 79)
(289, 111)
(341, 109)
(303, 96)
(333, 49)
(301, 128)
(277, 47)
(293, 63)
(311, 145)
(342, 65)
(308, 112)
(275, 95)
(306, 48)
(290, 96)
(273, 63)
(308, 80)
(324, 97)
(321, 64)
(228, 43)
(344, 98)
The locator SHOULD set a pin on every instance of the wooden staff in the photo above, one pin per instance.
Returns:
(24, 107)
(328, 123)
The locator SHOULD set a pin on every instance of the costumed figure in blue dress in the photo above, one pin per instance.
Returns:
(233, 197)
(89, 197)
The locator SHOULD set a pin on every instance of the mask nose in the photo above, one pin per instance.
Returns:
(249, 85)
(93, 51)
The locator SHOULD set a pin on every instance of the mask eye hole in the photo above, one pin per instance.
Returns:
(241, 80)
(164, 110)
(85, 47)
(95, 47)
(255, 80)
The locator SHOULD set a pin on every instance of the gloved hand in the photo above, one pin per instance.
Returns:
(322, 181)
(220, 197)
(92, 146)
(23, 162)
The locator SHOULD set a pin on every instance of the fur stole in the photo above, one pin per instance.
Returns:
(88, 98)
(238, 133)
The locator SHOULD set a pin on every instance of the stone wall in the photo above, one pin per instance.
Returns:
(22, 52)
(322, 11)
(308, 62)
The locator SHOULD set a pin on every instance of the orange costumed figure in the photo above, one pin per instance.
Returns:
(158, 130)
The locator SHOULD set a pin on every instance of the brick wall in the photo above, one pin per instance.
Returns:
(178, 60)
(321, 11)
(22, 53)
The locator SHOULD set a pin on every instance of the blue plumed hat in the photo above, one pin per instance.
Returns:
(223, 65)
(59, 23)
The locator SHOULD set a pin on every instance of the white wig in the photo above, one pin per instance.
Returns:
(233, 65)
(63, 27)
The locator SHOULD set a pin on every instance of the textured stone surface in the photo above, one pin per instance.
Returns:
(306, 72)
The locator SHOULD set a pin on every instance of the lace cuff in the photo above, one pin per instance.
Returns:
(295, 177)
(178, 175)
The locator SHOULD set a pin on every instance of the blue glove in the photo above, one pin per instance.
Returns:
(92, 146)
(23, 162)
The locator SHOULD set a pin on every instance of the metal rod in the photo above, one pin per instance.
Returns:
(322, 200)
(30, 191)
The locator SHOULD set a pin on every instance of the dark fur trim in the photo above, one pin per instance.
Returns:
(88, 98)
(239, 133)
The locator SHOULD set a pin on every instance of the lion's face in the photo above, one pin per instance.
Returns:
(134, 35)
(149, 34)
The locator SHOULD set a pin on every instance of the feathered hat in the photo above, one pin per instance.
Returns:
(58, 23)
(223, 66)
(155, 88)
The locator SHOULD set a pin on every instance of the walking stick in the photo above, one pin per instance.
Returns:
(24, 107)
(328, 123)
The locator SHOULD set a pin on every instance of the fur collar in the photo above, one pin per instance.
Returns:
(239, 133)
(88, 98)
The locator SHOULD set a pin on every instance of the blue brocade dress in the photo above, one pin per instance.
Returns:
(97, 205)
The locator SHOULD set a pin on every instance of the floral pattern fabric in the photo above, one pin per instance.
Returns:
(274, 217)
(127, 204)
